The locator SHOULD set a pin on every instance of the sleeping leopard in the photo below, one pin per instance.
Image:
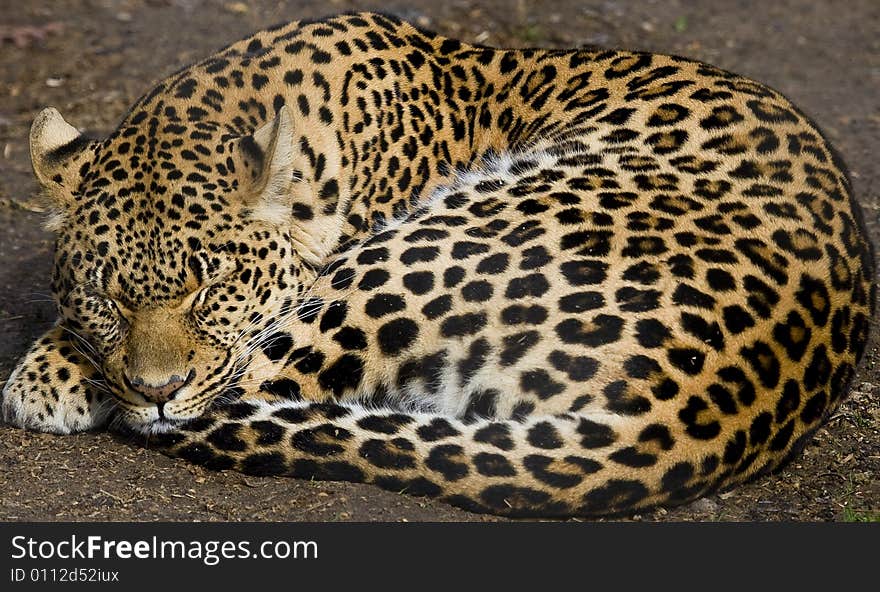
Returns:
(526, 282)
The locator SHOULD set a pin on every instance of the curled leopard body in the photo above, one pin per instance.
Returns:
(527, 282)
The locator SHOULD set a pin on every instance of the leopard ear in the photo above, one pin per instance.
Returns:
(56, 149)
(280, 186)
(268, 156)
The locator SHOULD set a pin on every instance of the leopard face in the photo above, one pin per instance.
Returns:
(166, 295)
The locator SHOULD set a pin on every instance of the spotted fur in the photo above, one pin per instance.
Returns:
(527, 282)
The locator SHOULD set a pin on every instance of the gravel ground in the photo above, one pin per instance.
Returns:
(92, 58)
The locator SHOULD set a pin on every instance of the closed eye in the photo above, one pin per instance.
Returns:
(96, 313)
(209, 273)
(123, 311)
(203, 294)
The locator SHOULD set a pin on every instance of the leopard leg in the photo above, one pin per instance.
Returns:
(55, 388)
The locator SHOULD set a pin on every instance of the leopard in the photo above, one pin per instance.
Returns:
(526, 282)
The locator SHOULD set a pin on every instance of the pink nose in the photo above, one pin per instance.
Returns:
(159, 393)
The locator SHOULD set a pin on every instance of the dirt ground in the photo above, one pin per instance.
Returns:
(92, 58)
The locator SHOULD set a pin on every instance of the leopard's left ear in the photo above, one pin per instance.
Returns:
(268, 158)
(281, 184)
(57, 150)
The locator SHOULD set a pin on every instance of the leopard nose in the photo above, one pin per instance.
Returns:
(159, 393)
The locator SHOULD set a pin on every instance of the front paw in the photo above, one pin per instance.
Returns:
(45, 408)
(49, 392)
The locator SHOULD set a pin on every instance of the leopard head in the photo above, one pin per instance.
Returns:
(178, 249)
